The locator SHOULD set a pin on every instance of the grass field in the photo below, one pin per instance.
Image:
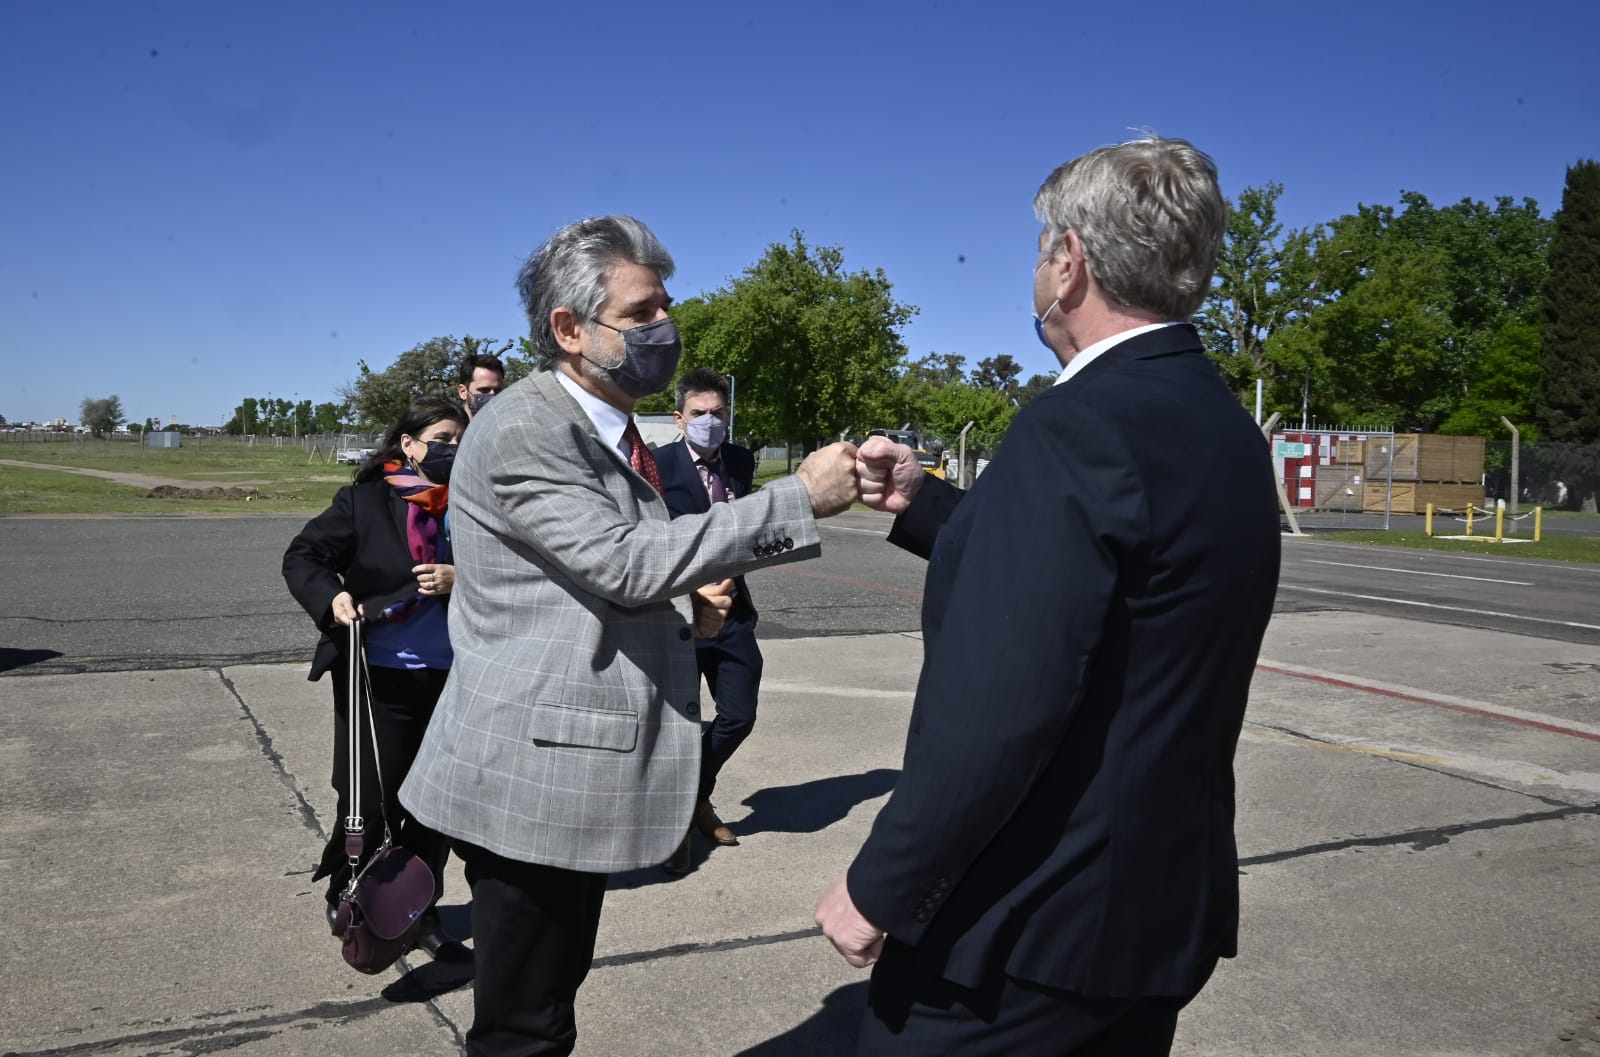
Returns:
(285, 479)
(1558, 548)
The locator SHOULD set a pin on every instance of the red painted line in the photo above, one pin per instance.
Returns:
(1436, 703)
(792, 571)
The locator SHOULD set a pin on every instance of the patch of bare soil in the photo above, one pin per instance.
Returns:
(172, 491)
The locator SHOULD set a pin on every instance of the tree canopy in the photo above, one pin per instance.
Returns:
(101, 414)
(378, 398)
(813, 347)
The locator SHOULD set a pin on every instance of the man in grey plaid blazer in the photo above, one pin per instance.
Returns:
(566, 743)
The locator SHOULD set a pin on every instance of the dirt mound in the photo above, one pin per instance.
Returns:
(172, 491)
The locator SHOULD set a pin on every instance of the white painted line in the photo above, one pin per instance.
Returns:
(865, 532)
(1520, 772)
(1400, 690)
(1436, 605)
(1420, 572)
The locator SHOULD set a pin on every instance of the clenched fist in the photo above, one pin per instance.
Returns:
(829, 475)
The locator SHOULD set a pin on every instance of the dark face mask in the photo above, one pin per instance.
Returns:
(649, 360)
(435, 465)
(478, 400)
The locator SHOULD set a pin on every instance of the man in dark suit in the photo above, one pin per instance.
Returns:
(1055, 872)
(702, 469)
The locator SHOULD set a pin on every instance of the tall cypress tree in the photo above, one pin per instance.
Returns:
(1569, 389)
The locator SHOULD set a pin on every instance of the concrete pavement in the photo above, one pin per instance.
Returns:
(1419, 826)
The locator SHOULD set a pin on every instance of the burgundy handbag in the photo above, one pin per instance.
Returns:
(381, 908)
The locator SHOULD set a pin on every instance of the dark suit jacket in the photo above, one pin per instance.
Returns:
(1092, 616)
(681, 488)
(358, 545)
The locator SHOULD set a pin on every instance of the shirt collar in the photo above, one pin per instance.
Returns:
(608, 421)
(1104, 345)
(703, 460)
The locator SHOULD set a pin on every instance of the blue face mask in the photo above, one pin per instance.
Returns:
(478, 400)
(1038, 320)
(649, 359)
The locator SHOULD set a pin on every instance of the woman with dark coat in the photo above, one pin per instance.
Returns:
(380, 554)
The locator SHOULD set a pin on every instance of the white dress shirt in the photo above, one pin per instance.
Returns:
(608, 421)
(1104, 345)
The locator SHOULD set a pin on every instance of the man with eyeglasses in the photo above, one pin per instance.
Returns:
(566, 743)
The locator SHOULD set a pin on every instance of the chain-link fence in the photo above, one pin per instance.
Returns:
(1558, 476)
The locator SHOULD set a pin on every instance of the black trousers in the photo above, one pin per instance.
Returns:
(731, 664)
(911, 1013)
(533, 930)
(402, 703)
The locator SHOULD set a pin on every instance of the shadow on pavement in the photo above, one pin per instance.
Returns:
(11, 659)
(811, 806)
(829, 1032)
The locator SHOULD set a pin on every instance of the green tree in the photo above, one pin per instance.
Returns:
(102, 415)
(814, 347)
(1035, 385)
(1569, 395)
(1265, 279)
(1407, 301)
(327, 418)
(999, 374)
(1502, 381)
(378, 398)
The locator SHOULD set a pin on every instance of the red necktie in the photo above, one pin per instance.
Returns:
(640, 457)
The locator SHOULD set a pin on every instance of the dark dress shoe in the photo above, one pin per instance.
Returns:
(712, 827)
(333, 914)
(682, 860)
(436, 942)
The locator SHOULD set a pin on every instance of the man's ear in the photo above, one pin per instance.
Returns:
(1075, 267)
(567, 327)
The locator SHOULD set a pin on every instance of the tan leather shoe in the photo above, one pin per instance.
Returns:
(712, 827)
(682, 860)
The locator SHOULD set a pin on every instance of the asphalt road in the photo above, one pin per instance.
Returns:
(128, 594)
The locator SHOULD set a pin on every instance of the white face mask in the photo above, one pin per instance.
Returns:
(705, 432)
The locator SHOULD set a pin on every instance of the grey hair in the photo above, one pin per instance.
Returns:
(1151, 218)
(569, 271)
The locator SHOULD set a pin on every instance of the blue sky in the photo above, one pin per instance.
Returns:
(210, 200)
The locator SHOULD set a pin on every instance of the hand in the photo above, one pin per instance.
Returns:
(829, 475)
(434, 580)
(889, 474)
(859, 940)
(345, 610)
(711, 607)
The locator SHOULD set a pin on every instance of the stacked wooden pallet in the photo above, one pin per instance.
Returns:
(1425, 468)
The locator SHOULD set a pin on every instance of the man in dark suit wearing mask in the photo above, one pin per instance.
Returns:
(702, 469)
(1056, 872)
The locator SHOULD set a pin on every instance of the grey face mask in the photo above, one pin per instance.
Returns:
(649, 360)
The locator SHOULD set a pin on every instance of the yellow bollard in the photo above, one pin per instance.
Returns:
(1499, 523)
(1427, 525)
(1469, 519)
(1538, 522)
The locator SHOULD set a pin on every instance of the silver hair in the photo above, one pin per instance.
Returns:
(1151, 218)
(569, 271)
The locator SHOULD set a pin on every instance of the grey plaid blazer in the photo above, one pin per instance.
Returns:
(568, 732)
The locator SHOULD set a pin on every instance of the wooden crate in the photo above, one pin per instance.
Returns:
(1448, 496)
(1413, 497)
(1442, 458)
(1404, 457)
(1374, 496)
(1351, 451)
(1332, 484)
